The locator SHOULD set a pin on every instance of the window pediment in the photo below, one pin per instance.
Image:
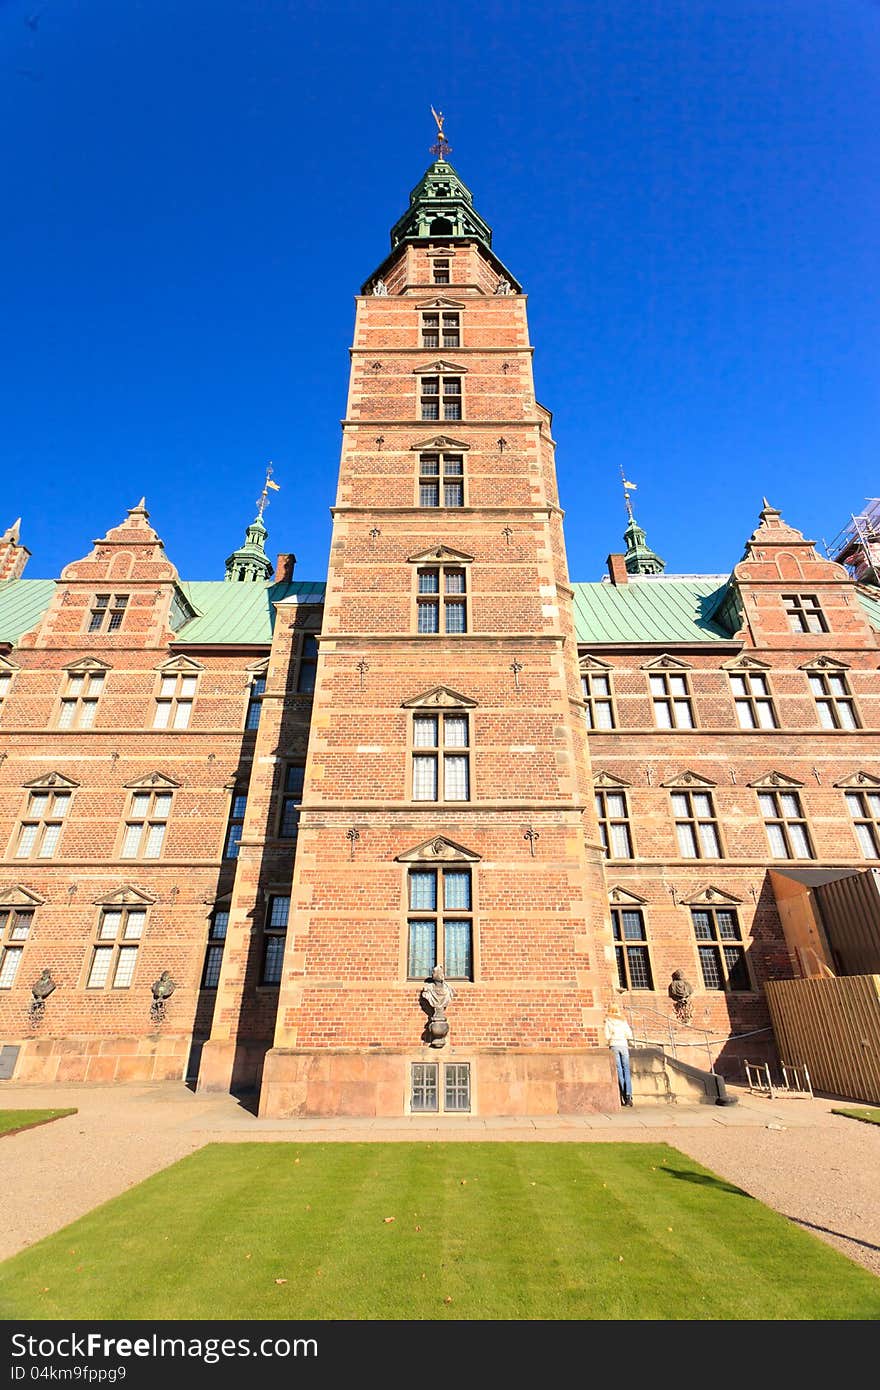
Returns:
(438, 850)
(605, 779)
(592, 663)
(440, 554)
(7, 665)
(709, 896)
(152, 782)
(440, 697)
(440, 441)
(745, 663)
(857, 780)
(689, 779)
(19, 896)
(441, 303)
(665, 662)
(775, 779)
(51, 779)
(823, 663)
(180, 663)
(624, 897)
(439, 368)
(88, 663)
(125, 896)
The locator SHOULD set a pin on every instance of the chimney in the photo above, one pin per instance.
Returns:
(284, 569)
(13, 555)
(617, 569)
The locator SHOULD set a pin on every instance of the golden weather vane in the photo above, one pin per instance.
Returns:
(628, 487)
(442, 147)
(263, 499)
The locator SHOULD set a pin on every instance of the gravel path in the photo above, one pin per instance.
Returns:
(818, 1169)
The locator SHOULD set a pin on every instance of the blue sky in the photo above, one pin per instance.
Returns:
(194, 192)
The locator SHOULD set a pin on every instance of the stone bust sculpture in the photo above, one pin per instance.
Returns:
(437, 996)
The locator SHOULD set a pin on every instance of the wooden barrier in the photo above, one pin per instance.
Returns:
(833, 1027)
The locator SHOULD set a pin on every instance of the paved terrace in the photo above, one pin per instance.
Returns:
(816, 1168)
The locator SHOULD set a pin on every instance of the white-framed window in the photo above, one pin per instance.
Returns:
(835, 705)
(598, 699)
(804, 613)
(146, 824)
(441, 604)
(432, 1091)
(440, 922)
(752, 700)
(40, 828)
(786, 825)
(107, 612)
(174, 701)
(114, 951)
(441, 480)
(696, 825)
(15, 928)
(440, 757)
(671, 699)
(441, 328)
(614, 826)
(864, 807)
(440, 397)
(79, 703)
(5, 686)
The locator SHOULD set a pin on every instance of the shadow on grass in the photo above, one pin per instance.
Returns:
(705, 1180)
(852, 1240)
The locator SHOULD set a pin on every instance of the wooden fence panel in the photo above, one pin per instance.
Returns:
(833, 1027)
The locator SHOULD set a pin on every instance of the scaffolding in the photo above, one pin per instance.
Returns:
(857, 546)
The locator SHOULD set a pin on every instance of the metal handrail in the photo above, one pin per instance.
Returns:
(671, 1026)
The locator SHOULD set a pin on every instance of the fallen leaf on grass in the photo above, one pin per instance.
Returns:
(247, 1257)
(388, 1219)
(418, 1228)
(447, 1299)
(280, 1281)
(464, 1182)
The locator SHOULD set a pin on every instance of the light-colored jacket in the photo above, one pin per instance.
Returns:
(618, 1033)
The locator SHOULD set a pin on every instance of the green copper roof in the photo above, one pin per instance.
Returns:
(250, 564)
(230, 614)
(651, 611)
(640, 558)
(441, 205)
(22, 604)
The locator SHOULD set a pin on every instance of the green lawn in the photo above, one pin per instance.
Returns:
(870, 1115)
(11, 1121)
(601, 1231)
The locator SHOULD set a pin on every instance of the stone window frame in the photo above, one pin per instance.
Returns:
(804, 614)
(439, 752)
(626, 946)
(306, 663)
(718, 943)
(175, 691)
(8, 672)
(438, 328)
(290, 799)
(422, 1071)
(106, 612)
(47, 821)
(274, 930)
(592, 670)
(234, 822)
(773, 788)
(440, 914)
(440, 853)
(605, 786)
(81, 699)
(257, 677)
(17, 912)
(864, 789)
(147, 818)
(441, 268)
(215, 943)
(443, 561)
(442, 477)
(751, 699)
(689, 817)
(667, 668)
(823, 670)
(122, 944)
(441, 372)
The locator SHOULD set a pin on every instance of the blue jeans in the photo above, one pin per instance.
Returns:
(624, 1077)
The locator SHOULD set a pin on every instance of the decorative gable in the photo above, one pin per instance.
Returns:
(441, 303)
(126, 896)
(441, 553)
(51, 779)
(440, 441)
(441, 697)
(775, 779)
(605, 779)
(710, 896)
(592, 663)
(689, 779)
(180, 663)
(624, 897)
(745, 663)
(7, 665)
(258, 668)
(665, 662)
(858, 779)
(87, 663)
(430, 367)
(438, 850)
(18, 896)
(823, 663)
(152, 782)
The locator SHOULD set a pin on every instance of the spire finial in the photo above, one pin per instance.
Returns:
(442, 147)
(268, 485)
(627, 489)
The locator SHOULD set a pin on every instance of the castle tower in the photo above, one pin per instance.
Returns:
(447, 809)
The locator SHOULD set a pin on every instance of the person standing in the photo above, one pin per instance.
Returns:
(618, 1036)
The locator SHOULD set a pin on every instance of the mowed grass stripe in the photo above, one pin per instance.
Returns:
(507, 1230)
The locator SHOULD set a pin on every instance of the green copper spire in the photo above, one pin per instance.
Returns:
(251, 564)
(441, 205)
(640, 558)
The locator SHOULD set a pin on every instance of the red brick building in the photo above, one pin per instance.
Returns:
(296, 799)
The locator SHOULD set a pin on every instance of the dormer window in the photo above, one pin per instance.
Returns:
(107, 612)
(441, 272)
(804, 613)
